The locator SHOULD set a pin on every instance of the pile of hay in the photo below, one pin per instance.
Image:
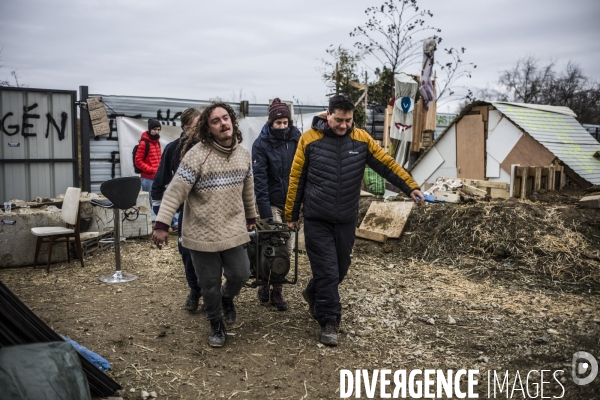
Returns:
(540, 239)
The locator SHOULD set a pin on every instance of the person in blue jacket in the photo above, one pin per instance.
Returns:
(272, 156)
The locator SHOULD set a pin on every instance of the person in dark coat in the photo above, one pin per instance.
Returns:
(272, 156)
(325, 181)
(166, 170)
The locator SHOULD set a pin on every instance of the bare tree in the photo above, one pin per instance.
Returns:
(527, 81)
(393, 35)
(452, 72)
(13, 73)
(531, 82)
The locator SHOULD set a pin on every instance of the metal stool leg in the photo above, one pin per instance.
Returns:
(119, 276)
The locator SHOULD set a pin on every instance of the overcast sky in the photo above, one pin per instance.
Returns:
(195, 49)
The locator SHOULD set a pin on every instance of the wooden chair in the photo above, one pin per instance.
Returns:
(53, 234)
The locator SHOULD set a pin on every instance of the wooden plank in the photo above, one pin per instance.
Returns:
(472, 190)
(488, 184)
(374, 236)
(561, 179)
(417, 128)
(387, 218)
(551, 178)
(449, 197)
(590, 202)
(470, 147)
(527, 151)
(513, 179)
(524, 175)
(537, 183)
(499, 193)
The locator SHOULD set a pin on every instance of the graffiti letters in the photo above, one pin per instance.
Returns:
(24, 128)
(63, 124)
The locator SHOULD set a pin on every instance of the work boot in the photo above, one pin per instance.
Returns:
(228, 310)
(329, 332)
(191, 304)
(277, 299)
(310, 300)
(217, 333)
(263, 293)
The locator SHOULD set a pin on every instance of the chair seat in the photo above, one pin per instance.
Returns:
(102, 203)
(51, 231)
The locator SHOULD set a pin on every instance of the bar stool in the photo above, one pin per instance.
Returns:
(122, 194)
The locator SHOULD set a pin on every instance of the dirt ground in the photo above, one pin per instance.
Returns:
(501, 285)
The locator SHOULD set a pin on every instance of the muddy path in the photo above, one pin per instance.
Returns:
(403, 309)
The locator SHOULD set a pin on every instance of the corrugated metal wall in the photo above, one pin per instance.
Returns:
(104, 150)
(35, 158)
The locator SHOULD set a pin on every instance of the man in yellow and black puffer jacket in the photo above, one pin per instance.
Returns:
(326, 176)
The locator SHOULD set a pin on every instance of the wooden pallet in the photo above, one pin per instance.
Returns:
(531, 179)
(90, 243)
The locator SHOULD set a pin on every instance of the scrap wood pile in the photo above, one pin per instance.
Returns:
(453, 190)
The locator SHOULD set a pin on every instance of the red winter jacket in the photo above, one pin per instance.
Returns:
(149, 165)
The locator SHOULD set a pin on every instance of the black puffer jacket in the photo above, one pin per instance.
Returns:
(272, 156)
(328, 169)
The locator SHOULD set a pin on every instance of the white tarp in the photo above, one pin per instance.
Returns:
(130, 131)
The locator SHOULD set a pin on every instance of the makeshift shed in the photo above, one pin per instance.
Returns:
(487, 137)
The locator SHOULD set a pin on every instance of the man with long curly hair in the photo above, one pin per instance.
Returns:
(215, 181)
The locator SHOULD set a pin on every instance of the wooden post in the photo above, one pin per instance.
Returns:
(524, 176)
(551, 178)
(537, 183)
(561, 178)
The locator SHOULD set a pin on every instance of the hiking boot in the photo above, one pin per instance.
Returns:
(329, 332)
(310, 301)
(191, 304)
(263, 293)
(217, 334)
(277, 299)
(228, 310)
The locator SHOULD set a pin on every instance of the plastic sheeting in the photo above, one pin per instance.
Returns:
(42, 371)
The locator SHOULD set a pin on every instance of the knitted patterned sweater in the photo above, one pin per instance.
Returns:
(218, 189)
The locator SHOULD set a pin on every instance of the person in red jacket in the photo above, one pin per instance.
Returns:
(148, 161)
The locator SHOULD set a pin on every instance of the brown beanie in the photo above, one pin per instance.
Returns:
(277, 110)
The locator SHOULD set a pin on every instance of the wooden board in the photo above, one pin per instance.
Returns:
(450, 197)
(527, 151)
(499, 193)
(470, 147)
(387, 218)
(590, 202)
(472, 190)
(488, 184)
(375, 236)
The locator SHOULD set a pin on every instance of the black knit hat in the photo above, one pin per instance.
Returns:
(277, 110)
(153, 123)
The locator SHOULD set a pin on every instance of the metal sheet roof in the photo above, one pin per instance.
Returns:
(559, 133)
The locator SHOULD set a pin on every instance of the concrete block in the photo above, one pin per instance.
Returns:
(135, 222)
(17, 243)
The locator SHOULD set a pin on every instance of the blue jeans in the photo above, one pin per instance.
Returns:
(147, 187)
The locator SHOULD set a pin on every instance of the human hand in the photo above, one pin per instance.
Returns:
(250, 227)
(294, 225)
(418, 197)
(159, 236)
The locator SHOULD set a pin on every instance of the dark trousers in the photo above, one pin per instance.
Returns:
(328, 246)
(233, 264)
(186, 257)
